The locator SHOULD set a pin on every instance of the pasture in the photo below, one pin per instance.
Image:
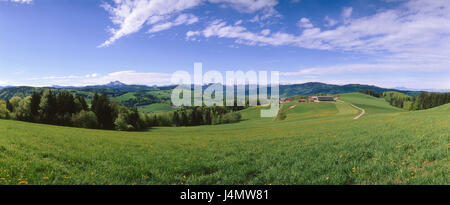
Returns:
(318, 143)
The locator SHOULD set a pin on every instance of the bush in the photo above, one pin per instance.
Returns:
(129, 120)
(85, 119)
(121, 123)
(231, 117)
(23, 110)
(3, 110)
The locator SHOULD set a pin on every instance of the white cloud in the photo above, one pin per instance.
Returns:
(131, 77)
(93, 75)
(419, 31)
(249, 6)
(265, 32)
(304, 23)
(127, 77)
(221, 29)
(347, 12)
(368, 68)
(22, 1)
(330, 22)
(131, 16)
(186, 19)
(192, 33)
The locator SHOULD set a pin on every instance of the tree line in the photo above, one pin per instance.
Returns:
(371, 93)
(65, 109)
(423, 101)
(194, 116)
(429, 100)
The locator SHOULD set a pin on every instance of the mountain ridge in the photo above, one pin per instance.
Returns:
(117, 88)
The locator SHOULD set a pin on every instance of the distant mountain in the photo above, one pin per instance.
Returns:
(115, 84)
(64, 87)
(21, 91)
(2, 87)
(426, 90)
(117, 88)
(313, 88)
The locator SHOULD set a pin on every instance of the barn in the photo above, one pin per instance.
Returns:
(321, 99)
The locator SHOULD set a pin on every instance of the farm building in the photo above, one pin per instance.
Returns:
(321, 99)
(285, 100)
(302, 100)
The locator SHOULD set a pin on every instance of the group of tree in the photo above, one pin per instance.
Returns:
(371, 93)
(142, 98)
(194, 116)
(423, 101)
(398, 99)
(65, 109)
(429, 100)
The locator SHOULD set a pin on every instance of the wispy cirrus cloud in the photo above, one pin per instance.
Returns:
(416, 24)
(22, 1)
(18, 1)
(186, 19)
(131, 16)
(413, 37)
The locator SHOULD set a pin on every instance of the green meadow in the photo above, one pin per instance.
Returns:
(318, 143)
(156, 108)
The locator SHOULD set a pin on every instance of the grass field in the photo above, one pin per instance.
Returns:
(318, 143)
(156, 108)
(371, 104)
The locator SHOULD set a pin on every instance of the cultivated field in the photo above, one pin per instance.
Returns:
(318, 143)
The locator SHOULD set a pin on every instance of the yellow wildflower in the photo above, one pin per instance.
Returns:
(23, 183)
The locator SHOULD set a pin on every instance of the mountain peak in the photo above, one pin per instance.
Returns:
(115, 84)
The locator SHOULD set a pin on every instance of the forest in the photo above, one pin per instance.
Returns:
(66, 109)
(423, 101)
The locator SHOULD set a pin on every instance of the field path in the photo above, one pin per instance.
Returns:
(363, 112)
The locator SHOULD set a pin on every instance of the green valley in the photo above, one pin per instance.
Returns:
(317, 143)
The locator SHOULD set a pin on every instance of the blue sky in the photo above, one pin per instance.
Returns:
(389, 43)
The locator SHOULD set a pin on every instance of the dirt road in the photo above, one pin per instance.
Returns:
(363, 112)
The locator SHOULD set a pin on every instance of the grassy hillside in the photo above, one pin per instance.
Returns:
(156, 108)
(314, 88)
(318, 143)
(372, 105)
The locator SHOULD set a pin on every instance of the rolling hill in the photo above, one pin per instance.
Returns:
(313, 88)
(143, 96)
(318, 143)
(371, 104)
